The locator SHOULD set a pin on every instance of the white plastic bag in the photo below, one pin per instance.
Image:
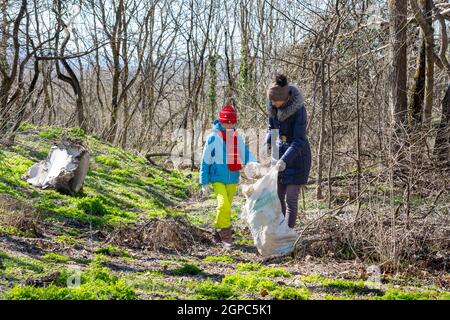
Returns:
(262, 212)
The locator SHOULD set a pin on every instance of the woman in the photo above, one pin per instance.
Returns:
(287, 115)
(224, 156)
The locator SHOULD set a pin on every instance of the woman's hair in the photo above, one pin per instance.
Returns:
(281, 80)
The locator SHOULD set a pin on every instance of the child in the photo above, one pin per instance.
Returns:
(223, 157)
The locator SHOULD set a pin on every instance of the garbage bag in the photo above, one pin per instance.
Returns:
(262, 212)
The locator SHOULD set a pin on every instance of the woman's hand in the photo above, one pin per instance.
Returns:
(280, 165)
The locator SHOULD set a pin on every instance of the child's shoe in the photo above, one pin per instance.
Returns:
(225, 236)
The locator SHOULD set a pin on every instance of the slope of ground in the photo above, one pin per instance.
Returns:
(137, 231)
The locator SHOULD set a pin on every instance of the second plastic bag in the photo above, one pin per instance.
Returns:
(262, 212)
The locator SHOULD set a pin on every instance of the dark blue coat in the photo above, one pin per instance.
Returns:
(292, 142)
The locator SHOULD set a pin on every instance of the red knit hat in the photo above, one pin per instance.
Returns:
(228, 114)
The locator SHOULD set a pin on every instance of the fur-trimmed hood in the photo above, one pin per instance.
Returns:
(295, 103)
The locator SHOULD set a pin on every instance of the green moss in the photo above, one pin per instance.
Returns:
(20, 267)
(244, 242)
(187, 269)
(55, 257)
(249, 266)
(66, 239)
(112, 251)
(125, 173)
(249, 283)
(94, 205)
(153, 285)
(396, 294)
(291, 293)
(108, 161)
(26, 126)
(338, 297)
(13, 231)
(312, 278)
(98, 290)
(348, 286)
(223, 259)
(209, 290)
(445, 295)
(273, 272)
(97, 283)
(73, 133)
(76, 133)
(51, 133)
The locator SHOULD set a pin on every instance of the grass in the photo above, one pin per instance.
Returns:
(98, 284)
(221, 259)
(340, 286)
(248, 285)
(208, 290)
(396, 294)
(120, 186)
(249, 282)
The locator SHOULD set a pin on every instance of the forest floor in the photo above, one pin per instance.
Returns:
(139, 231)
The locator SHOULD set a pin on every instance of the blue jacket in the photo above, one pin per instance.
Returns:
(292, 142)
(214, 167)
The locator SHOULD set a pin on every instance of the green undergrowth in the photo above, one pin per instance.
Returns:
(94, 283)
(345, 289)
(251, 280)
(217, 259)
(120, 187)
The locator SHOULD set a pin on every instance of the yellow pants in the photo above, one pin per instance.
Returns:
(224, 194)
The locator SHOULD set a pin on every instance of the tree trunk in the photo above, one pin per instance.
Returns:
(442, 143)
(398, 92)
(319, 194)
(429, 75)
(418, 91)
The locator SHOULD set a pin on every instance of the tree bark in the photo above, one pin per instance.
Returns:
(442, 143)
(398, 92)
